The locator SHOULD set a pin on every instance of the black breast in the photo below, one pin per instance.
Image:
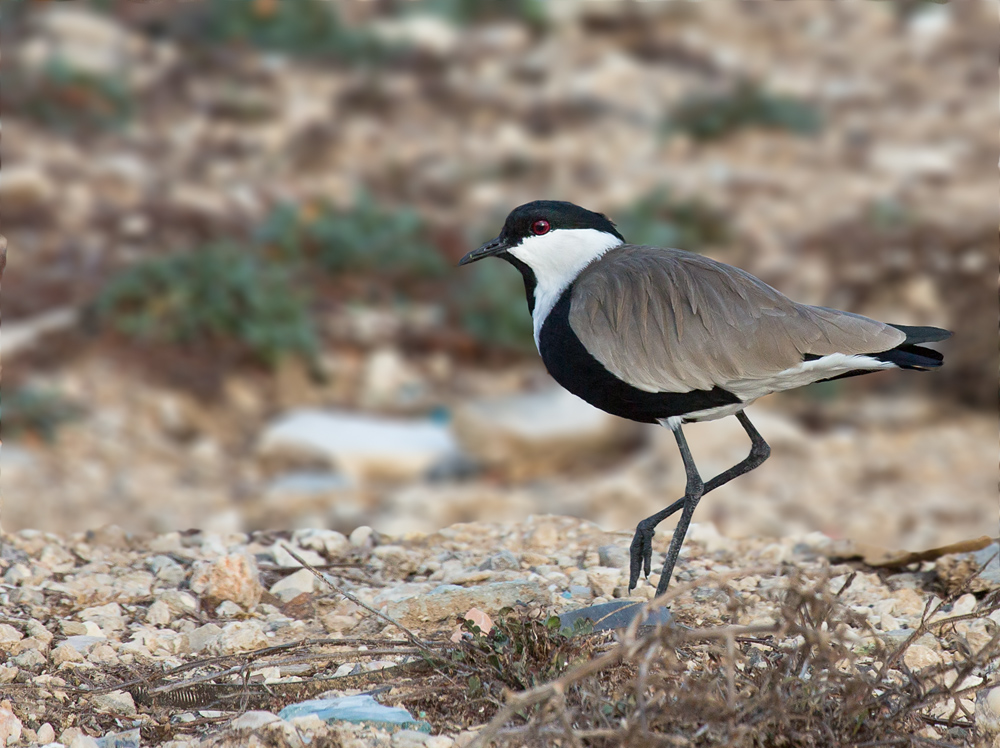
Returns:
(572, 366)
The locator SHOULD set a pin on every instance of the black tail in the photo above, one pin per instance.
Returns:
(910, 355)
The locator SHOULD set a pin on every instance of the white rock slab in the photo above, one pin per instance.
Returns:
(363, 447)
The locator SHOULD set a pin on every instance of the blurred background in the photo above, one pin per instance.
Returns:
(231, 300)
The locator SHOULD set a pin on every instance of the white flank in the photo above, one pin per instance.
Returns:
(557, 258)
(805, 373)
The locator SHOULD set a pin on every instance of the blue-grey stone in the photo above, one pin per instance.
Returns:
(358, 709)
(616, 614)
(129, 739)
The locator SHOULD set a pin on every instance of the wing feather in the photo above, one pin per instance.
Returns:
(665, 320)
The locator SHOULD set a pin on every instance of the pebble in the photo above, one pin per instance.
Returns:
(614, 556)
(158, 614)
(8, 636)
(360, 535)
(302, 581)
(115, 702)
(231, 577)
(10, 725)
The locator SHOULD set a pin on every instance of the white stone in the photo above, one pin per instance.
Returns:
(294, 584)
(254, 719)
(10, 726)
(285, 560)
(241, 636)
(359, 535)
(232, 577)
(539, 432)
(116, 702)
(360, 446)
(158, 614)
(9, 636)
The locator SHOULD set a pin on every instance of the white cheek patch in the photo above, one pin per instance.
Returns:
(556, 259)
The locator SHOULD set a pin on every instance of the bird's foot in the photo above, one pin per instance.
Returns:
(640, 554)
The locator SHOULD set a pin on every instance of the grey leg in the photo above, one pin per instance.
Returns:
(641, 550)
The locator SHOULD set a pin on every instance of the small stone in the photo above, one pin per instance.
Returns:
(46, 734)
(302, 581)
(158, 614)
(360, 535)
(228, 609)
(254, 720)
(65, 652)
(988, 712)
(180, 603)
(233, 577)
(241, 636)
(917, 657)
(29, 660)
(103, 654)
(285, 560)
(502, 561)
(108, 617)
(604, 579)
(614, 556)
(10, 725)
(115, 702)
(330, 542)
(84, 741)
(9, 636)
(203, 637)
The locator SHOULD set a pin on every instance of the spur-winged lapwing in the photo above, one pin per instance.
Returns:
(666, 336)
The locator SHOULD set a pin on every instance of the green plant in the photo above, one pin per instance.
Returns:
(216, 294)
(364, 238)
(661, 221)
(713, 116)
(36, 410)
(463, 12)
(301, 28)
(65, 98)
(490, 305)
(520, 652)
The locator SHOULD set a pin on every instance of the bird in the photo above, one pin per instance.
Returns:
(666, 336)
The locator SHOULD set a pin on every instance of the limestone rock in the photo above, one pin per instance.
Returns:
(361, 446)
(232, 577)
(540, 433)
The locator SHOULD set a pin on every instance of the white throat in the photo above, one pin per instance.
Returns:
(556, 259)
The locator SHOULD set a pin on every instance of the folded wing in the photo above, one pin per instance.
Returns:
(665, 320)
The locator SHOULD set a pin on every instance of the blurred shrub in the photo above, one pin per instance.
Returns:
(490, 305)
(67, 99)
(302, 27)
(364, 238)
(216, 294)
(529, 12)
(713, 116)
(36, 411)
(661, 221)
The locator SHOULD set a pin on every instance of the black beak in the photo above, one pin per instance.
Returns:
(490, 248)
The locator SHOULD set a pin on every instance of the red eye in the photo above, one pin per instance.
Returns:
(540, 227)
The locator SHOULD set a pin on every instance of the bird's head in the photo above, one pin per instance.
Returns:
(551, 237)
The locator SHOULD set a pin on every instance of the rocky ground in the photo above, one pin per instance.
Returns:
(202, 637)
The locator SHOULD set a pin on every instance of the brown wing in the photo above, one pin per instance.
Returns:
(665, 320)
